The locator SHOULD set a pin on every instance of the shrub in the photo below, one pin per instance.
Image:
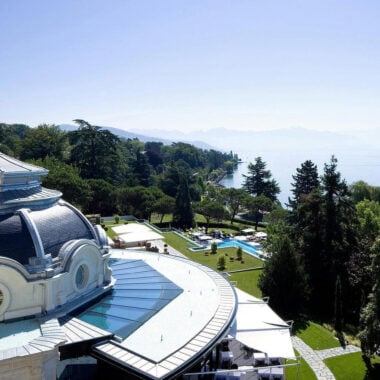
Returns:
(214, 248)
(239, 253)
(221, 263)
(117, 219)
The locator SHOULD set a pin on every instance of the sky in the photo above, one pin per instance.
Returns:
(191, 64)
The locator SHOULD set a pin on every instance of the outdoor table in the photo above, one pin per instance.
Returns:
(259, 358)
(271, 373)
(228, 375)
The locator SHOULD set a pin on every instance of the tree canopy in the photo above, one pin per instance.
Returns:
(259, 180)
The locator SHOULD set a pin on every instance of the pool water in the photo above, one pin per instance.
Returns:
(246, 247)
(139, 293)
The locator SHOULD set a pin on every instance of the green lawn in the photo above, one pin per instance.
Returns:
(352, 367)
(177, 242)
(246, 281)
(315, 335)
(303, 372)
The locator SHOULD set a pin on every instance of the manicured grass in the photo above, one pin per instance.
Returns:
(177, 242)
(246, 281)
(352, 367)
(316, 336)
(304, 372)
(110, 232)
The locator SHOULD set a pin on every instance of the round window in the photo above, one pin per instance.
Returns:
(81, 276)
(5, 298)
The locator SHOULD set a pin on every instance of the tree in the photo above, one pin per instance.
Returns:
(369, 334)
(44, 141)
(282, 279)
(66, 179)
(259, 181)
(11, 136)
(257, 207)
(325, 238)
(154, 154)
(338, 307)
(95, 152)
(137, 200)
(307, 235)
(278, 215)
(360, 191)
(339, 225)
(141, 169)
(163, 206)
(305, 181)
(188, 153)
(235, 199)
(183, 215)
(210, 209)
(102, 200)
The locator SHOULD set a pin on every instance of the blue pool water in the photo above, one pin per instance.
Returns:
(246, 247)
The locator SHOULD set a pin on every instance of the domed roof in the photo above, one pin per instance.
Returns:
(34, 221)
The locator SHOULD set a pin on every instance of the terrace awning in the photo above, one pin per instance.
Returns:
(140, 237)
(130, 228)
(259, 327)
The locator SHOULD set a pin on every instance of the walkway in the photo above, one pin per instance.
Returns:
(315, 357)
(160, 245)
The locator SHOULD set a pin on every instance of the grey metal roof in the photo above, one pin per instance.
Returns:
(34, 198)
(12, 166)
(20, 186)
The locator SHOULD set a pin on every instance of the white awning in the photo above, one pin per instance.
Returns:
(205, 237)
(130, 228)
(140, 237)
(259, 327)
(261, 234)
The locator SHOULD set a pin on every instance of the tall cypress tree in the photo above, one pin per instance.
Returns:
(183, 216)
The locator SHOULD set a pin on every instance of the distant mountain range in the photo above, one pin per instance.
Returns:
(142, 137)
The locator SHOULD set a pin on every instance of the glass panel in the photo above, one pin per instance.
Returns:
(139, 293)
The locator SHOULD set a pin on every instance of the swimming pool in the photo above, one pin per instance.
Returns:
(246, 247)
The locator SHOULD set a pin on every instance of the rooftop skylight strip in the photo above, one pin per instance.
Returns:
(114, 316)
(144, 280)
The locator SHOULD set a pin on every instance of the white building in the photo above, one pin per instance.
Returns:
(65, 294)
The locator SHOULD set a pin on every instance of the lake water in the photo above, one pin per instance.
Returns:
(353, 164)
